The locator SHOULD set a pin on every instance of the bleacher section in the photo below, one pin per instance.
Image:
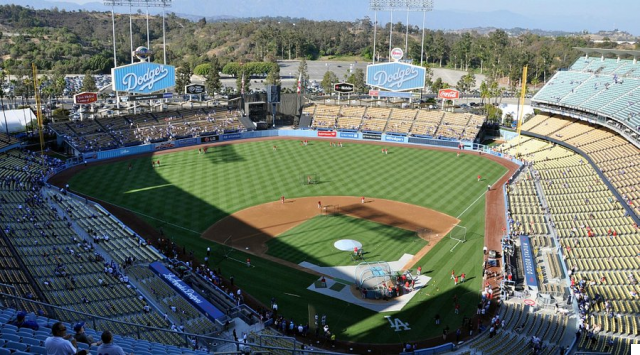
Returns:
(598, 240)
(76, 255)
(350, 118)
(422, 123)
(520, 326)
(603, 87)
(108, 133)
(29, 341)
(618, 159)
(7, 141)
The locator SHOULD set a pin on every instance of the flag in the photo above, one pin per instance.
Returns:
(242, 85)
(299, 84)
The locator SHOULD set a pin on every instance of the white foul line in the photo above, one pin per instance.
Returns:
(479, 197)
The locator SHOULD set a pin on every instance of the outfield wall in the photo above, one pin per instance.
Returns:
(352, 136)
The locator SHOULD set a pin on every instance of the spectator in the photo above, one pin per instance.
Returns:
(61, 343)
(108, 347)
(81, 336)
(21, 322)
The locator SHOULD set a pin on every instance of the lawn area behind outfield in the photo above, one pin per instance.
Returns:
(312, 241)
(190, 191)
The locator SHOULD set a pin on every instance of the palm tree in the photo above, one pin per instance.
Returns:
(485, 93)
(6, 126)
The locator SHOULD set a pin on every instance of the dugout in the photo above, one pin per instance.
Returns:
(374, 278)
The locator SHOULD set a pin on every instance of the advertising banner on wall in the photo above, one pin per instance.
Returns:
(326, 133)
(396, 76)
(528, 262)
(372, 136)
(143, 78)
(351, 135)
(185, 290)
(392, 138)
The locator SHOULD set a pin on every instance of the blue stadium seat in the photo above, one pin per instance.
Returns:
(10, 326)
(39, 350)
(25, 332)
(21, 353)
(11, 337)
(4, 351)
(15, 345)
(7, 330)
(31, 341)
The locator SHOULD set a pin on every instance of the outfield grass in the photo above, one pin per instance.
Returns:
(379, 242)
(189, 192)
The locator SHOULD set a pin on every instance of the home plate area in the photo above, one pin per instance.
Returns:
(379, 286)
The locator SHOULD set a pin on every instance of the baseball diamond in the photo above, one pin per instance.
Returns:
(231, 196)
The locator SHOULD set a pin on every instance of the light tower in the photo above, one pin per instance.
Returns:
(138, 3)
(423, 6)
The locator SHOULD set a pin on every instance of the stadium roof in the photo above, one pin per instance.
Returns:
(603, 51)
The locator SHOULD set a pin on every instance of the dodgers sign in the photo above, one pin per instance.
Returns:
(143, 78)
(395, 76)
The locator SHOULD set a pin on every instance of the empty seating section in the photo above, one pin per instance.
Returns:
(426, 123)
(549, 126)
(520, 326)
(587, 90)
(350, 117)
(606, 87)
(95, 221)
(609, 91)
(525, 213)
(7, 140)
(560, 85)
(533, 122)
(473, 128)
(309, 110)
(401, 120)
(375, 119)
(617, 158)
(325, 117)
(452, 125)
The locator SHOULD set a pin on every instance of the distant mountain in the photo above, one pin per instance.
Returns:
(349, 11)
(519, 31)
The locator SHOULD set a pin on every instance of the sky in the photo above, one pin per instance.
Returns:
(566, 15)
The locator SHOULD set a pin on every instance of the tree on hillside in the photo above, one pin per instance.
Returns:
(301, 73)
(212, 78)
(183, 77)
(202, 69)
(89, 83)
(328, 80)
(357, 79)
(273, 77)
(466, 82)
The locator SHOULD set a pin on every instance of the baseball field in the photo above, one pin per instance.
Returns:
(229, 199)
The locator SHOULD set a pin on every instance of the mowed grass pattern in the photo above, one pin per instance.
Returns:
(313, 240)
(194, 190)
(189, 192)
